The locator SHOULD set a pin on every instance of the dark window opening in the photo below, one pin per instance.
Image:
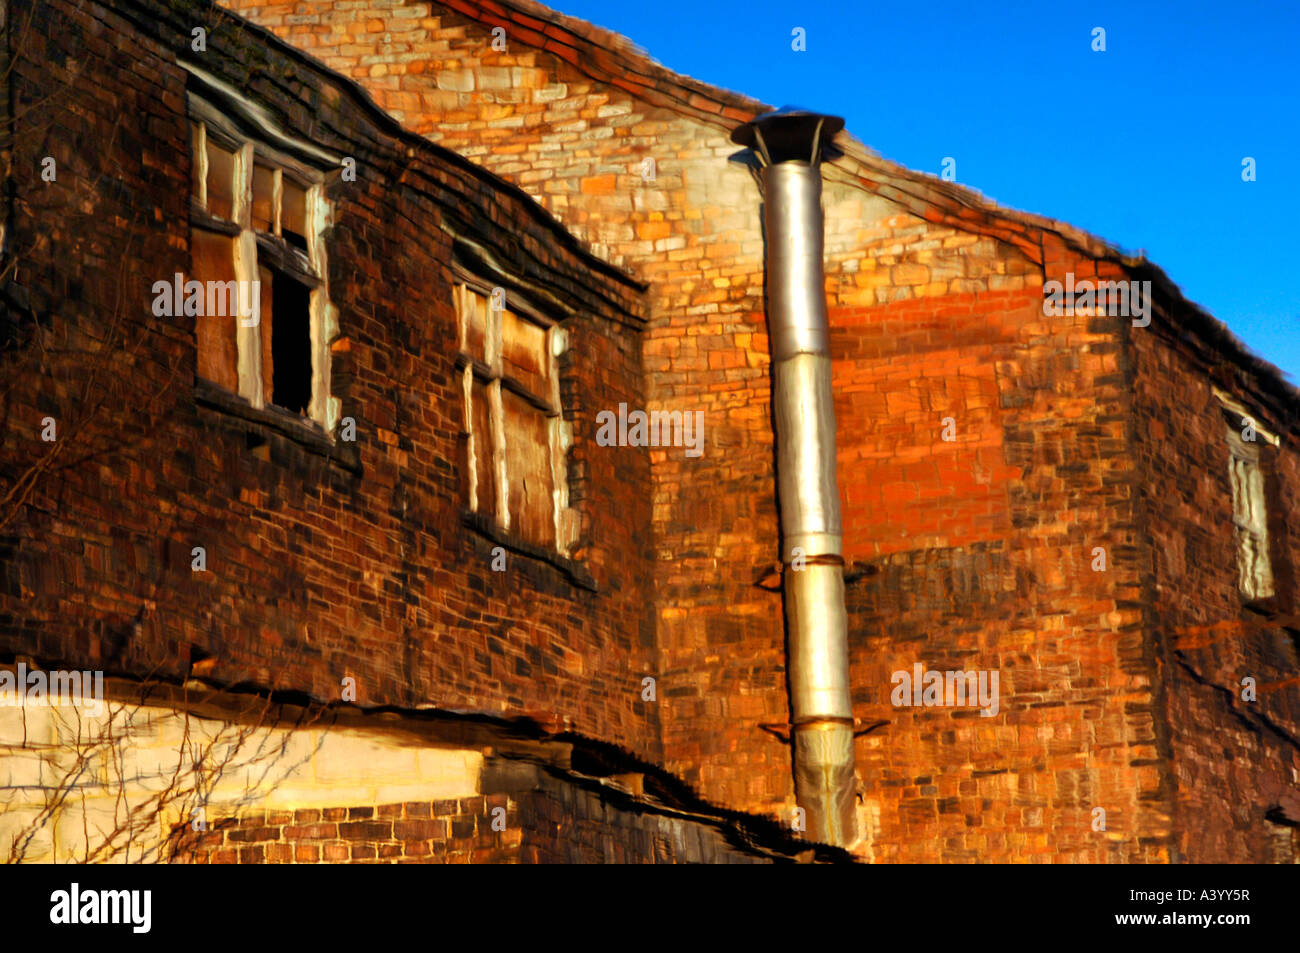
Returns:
(296, 240)
(240, 192)
(290, 344)
(293, 214)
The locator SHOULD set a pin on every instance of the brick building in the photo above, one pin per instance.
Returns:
(393, 485)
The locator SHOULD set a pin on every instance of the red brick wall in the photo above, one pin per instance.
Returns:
(557, 823)
(450, 832)
(1232, 760)
(548, 114)
(978, 553)
(314, 571)
(536, 115)
(974, 553)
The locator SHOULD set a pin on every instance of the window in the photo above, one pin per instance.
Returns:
(1247, 476)
(256, 228)
(516, 440)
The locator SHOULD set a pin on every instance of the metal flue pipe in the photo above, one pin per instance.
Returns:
(788, 145)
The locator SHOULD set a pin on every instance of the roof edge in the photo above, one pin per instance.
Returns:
(386, 124)
(612, 58)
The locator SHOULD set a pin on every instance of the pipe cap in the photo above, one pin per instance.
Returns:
(788, 134)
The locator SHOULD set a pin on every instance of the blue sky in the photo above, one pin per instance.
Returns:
(1141, 144)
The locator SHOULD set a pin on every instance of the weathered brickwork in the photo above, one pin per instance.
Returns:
(969, 553)
(440, 832)
(564, 824)
(1234, 761)
(559, 823)
(321, 563)
(980, 559)
(986, 453)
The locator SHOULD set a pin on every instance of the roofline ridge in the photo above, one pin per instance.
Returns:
(551, 27)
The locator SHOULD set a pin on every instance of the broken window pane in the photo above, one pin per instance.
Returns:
(518, 435)
(212, 258)
(290, 365)
(276, 356)
(221, 181)
(293, 213)
(263, 198)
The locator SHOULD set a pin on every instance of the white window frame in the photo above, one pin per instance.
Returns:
(470, 293)
(1246, 477)
(322, 409)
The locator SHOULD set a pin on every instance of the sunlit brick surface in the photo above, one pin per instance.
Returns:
(315, 572)
(1120, 688)
(978, 551)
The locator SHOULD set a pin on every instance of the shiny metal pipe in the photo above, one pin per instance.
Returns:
(824, 781)
(788, 145)
(796, 294)
(819, 649)
(804, 417)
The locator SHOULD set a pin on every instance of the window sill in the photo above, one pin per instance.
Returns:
(300, 430)
(1272, 611)
(575, 572)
